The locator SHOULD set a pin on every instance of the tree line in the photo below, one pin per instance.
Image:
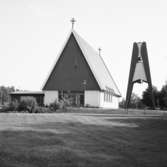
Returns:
(160, 98)
(5, 94)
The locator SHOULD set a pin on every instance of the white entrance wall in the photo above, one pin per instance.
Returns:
(50, 97)
(96, 99)
(92, 98)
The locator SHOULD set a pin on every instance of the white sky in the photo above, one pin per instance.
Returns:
(32, 33)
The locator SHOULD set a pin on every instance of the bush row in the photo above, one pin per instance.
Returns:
(29, 104)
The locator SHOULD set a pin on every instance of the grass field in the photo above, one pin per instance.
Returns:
(83, 140)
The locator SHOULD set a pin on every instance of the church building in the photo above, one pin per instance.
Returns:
(81, 75)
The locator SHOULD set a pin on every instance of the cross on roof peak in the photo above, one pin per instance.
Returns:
(99, 51)
(73, 21)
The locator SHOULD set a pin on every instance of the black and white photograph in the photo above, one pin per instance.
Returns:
(83, 83)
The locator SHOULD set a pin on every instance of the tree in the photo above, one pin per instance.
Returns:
(163, 97)
(135, 102)
(4, 94)
(122, 103)
(147, 98)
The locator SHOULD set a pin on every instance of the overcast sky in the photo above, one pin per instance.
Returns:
(32, 33)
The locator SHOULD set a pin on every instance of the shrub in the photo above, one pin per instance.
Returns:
(13, 106)
(5, 109)
(27, 104)
(39, 109)
(65, 102)
(55, 105)
(62, 104)
(88, 105)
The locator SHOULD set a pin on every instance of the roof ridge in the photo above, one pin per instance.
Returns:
(97, 54)
(76, 35)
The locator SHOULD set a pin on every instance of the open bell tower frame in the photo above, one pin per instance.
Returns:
(139, 71)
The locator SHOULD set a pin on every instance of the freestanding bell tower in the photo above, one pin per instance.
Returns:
(139, 70)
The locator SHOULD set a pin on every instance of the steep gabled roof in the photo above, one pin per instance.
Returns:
(96, 64)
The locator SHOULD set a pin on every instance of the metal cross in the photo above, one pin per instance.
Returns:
(73, 21)
(99, 51)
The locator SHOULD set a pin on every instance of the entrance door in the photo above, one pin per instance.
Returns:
(82, 99)
(76, 98)
(79, 99)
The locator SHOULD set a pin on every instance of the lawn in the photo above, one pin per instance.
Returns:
(82, 140)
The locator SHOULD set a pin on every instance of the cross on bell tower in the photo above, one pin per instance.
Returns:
(73, 21)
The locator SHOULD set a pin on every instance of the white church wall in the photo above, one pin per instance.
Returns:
(92, 98)
(96, 99)
(114, 103)
(50, 97)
